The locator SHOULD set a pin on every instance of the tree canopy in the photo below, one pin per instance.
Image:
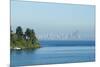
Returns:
(25, 39)
(19, 31)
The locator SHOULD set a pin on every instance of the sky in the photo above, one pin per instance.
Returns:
(74, 22)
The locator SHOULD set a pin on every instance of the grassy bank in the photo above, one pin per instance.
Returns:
(23, 40)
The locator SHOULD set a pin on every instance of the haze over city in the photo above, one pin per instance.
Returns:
(55, 21)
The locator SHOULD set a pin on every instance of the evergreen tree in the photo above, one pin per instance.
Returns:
(24, 40)
(28, 32)
(19, 31)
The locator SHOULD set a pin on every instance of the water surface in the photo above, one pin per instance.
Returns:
(48, 54)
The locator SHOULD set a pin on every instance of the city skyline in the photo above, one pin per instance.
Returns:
(54, 18)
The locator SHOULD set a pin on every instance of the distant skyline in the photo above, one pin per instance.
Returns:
(54, 18)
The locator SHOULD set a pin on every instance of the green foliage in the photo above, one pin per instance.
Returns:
(27, 40)
(28, 32)
(19, 31)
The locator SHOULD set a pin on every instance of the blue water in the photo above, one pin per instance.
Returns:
(57, 43)
(54, 52)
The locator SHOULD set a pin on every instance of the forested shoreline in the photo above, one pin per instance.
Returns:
(23, 40)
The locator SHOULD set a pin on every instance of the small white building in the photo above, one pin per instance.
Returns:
(17, 48)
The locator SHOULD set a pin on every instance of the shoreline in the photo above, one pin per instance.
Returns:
(17, 48)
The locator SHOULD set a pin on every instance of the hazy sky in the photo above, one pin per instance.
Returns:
(54, 18)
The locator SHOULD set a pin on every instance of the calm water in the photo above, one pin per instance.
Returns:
(55, 52)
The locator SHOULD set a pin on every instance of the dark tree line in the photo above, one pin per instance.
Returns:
(25, 39)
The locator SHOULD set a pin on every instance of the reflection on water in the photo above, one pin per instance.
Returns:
(27, 51)
(50, 55)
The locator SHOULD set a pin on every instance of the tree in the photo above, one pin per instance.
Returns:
(19, 31)
(33, 34)
(28, 32)
(25, 39)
